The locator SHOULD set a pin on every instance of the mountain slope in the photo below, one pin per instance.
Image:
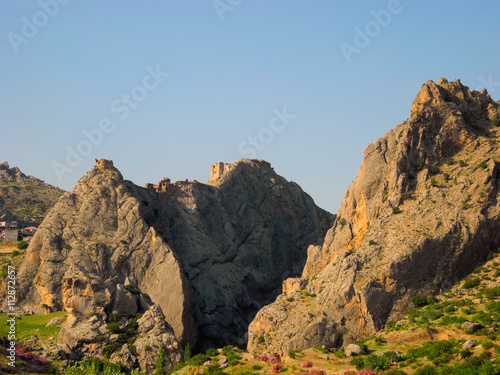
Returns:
(26, 199)
(209, 255)
(421, 214)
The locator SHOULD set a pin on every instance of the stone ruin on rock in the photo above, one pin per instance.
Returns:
(104, 163)
(218, 170)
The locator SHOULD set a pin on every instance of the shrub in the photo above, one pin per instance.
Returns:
(307, 364)
(446, 176)
(396, 210)
(114, 327)
(213, 370)
(427, 370)
(471, 283)
(420, 164)
(212, 352)
(462, 163)
(292, 353)
(376, 362)
(111, 347)
(261, 339)
(256, 367)
(198, 360)
(433, 182)
(419, 301)
(434, 169)
(483, 165)
(395, 371)
(358, 362)
(22, 245)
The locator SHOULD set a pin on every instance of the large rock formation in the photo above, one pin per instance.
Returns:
(421, 214)
(209, 255)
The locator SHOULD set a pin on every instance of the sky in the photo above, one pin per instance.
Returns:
(167, 88)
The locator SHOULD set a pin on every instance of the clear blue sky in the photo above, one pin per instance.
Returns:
(230, 70)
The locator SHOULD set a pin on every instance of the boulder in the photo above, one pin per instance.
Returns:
(353, 349)
(54, 321)
(469, 344)
(473, 327)
(124, 302)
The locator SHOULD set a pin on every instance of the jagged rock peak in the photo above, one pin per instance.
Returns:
(422, 212)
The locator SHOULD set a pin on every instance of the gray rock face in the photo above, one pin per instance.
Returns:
(209, 255)
(420, 215)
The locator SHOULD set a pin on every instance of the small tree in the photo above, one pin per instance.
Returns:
(187, 352)
(160, 363)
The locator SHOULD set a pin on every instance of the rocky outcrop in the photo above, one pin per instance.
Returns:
(91, 336)
(420, 215)
(24, 198)
(209, 255)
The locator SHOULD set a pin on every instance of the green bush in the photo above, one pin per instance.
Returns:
(396, 210)
(376, 362)
(292, 353)
(114, 327)
(427, 370)
(419, 301)
(395, 371)
(212, 352)
(256, 367)
(213, 370)
(111, 347)
(471, 283)
(358, 362)
(22, 245)
(420, 164)
(179, 366)
(198, 360)
(261, 339)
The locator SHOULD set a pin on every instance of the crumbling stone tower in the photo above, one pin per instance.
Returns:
(218, 170)
(104, 163)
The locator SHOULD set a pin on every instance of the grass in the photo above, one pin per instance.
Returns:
(27, 326)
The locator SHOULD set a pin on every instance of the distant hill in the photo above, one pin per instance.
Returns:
(26, 199)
